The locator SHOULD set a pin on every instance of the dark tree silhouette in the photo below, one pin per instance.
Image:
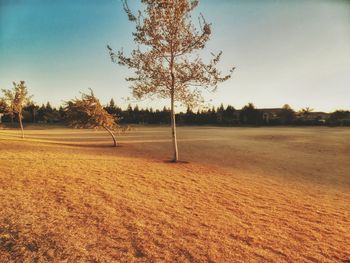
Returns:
(250, 115)
(340, 117)
(32, 109)
(287, 114)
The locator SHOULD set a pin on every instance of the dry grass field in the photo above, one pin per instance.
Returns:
(245, 195)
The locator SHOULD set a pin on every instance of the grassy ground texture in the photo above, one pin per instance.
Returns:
(246, 195)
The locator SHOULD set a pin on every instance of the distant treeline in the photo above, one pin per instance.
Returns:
(226, 116)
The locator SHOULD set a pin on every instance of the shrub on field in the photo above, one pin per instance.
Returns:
(87, 112)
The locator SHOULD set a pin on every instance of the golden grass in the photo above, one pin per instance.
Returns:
(238, 200)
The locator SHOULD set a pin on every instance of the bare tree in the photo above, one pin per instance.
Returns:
(88, 112)
(305, 112)
(15, 100)
(166, 63)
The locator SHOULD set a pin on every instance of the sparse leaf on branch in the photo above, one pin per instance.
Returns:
(15, 100)
(87, 112)
(166, 63)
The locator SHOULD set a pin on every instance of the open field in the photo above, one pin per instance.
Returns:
(246, 195)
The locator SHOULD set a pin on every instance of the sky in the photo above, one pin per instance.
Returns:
(284, 51)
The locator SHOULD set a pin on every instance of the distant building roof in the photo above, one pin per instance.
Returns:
(272, 110)
(318, 113)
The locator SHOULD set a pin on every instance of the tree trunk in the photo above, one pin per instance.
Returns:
(173, 129)
(21, 125)
(112, 135)
(172, 111)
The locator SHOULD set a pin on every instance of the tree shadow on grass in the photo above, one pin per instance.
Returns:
(95, 145)
(83, 144)
(177, 162)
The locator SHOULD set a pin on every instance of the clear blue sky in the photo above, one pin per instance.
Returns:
(295, 52)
